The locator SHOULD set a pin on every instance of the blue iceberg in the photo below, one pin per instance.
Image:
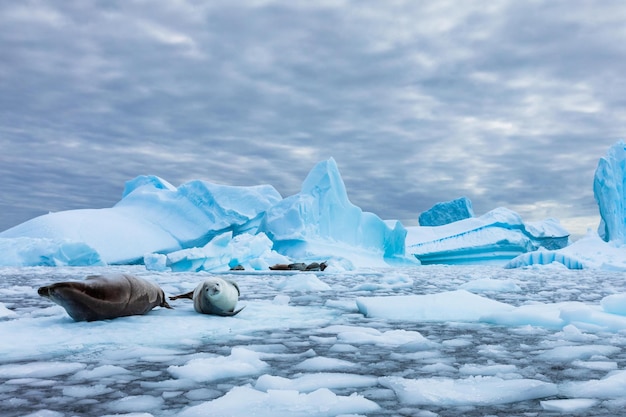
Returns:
(493, 238)
(320, 222)
(153, 216)
(609, 189)
(447, 212)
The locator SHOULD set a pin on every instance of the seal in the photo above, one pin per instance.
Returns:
(299, 266)
(102, 297)
(214, 296)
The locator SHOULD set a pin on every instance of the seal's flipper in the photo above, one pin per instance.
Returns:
(230, 313)
(188, 295)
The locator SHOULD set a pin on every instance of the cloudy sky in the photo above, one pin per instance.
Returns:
(510, 103)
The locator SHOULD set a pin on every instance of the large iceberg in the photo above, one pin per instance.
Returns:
(609, 189)
(493, 238)
(152, 216)
(321, 222)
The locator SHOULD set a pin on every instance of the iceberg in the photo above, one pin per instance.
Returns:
(604, 249)
(609, 186)
(152, 217)
(493, 238)
(447, 212)
(320, 222)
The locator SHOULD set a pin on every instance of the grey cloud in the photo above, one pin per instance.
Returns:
(509, 103)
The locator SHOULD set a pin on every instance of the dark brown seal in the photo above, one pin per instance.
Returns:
(101, 297)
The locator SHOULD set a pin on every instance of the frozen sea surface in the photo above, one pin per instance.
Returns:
(302, 347)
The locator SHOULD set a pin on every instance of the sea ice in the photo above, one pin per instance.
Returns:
(457, 305)
(574, 405)
(475, 390)
(246, 401)
(241, 362)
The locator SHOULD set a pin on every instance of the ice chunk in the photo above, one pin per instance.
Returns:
(612, 386)
(457, 305)
(312, 382)
(245, 401)
(320, 221)
(447, 212)
(368, 335)
(39, 369)
(136, 403)
(321, 363)
(220, 254)
(570, 353)
(5, 313)
(241, 362)
(575, 405)
(476, 390)
(495, 237)
(609, 190)
(615, 304)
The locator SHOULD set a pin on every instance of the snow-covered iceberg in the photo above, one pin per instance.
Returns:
(153, 216)
(321, 222)
(495, 237)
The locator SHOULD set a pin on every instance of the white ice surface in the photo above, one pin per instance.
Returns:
(532, 340)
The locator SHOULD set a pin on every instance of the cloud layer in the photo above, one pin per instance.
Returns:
(510, 104)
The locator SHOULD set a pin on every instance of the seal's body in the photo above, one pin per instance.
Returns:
(101, 297)
(214, 296)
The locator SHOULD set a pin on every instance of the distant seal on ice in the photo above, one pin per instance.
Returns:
(214, 296)
(101, 297)
(300, 266)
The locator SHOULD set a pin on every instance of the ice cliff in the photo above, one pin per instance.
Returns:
(609, 189)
